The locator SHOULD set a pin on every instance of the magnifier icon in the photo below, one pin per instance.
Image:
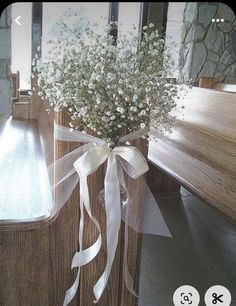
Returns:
(186, 295)
(186, 298)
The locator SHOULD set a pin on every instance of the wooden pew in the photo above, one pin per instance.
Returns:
(200, 154)
(35, 257)
(214, 83)
(15, 82)
(45, 119)
(21, 102)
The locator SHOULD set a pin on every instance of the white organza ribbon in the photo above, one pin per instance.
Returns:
(76, 166)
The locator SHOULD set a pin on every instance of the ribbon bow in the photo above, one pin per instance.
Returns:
(77, 165)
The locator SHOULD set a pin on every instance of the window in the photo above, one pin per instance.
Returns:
(126, 19)
(52, 12)
(21, 42)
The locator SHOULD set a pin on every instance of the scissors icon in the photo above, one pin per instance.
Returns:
(216, 298)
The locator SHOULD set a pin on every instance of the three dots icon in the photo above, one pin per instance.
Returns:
(217, 20)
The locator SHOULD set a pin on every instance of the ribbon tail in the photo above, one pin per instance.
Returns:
(129, 282)
(83, 257)
(113, 221)
(70, 293)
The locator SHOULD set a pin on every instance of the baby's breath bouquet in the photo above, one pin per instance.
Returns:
(109, 86)
(114, 88)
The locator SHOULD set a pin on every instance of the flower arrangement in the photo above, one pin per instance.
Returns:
(114, 88)
(107, 86)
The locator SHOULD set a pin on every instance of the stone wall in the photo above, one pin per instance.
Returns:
(5, 62)
(207, 46)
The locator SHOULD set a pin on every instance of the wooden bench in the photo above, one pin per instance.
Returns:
(214, 83)
(36, 256)
(200, 154)
(20, 100)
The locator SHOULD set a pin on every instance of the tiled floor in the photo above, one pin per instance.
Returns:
(202, 252)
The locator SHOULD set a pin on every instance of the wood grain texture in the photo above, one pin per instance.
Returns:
(45, 118)
(201, 151)
(116, 293)
(21, 110)
(208, 82)
(136, 189)
(37, 101)
(225, 87)
(15, 83)
(209, 110)
(213, 83)
(160, 182)
(24, 184)
(35, 263)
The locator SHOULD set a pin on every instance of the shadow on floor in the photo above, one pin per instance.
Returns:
(202, 252)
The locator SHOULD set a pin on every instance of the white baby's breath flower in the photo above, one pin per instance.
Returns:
(120, 110)
(133, 108)
(135, 98)
(98, 78)
(105, 119)
(106, 87)
(91, 86)
(120, 91)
